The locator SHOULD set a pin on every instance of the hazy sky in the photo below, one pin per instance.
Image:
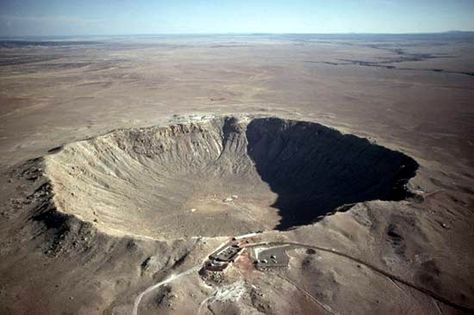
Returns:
(82, 17)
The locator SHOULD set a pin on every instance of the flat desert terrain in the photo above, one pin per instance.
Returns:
(237, 174)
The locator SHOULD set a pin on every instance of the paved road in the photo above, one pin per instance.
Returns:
(374, 268)
(320, 248)
(159, 284)
(174, 277)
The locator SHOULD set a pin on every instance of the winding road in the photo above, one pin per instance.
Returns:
(177, 276)
(159, 284)
(374, 268)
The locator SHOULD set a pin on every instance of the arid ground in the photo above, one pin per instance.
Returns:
(127, 161)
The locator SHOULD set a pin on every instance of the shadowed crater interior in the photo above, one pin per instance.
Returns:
(315, 169)
(221, 176)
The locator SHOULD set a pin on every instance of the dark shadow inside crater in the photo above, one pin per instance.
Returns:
(316, 169)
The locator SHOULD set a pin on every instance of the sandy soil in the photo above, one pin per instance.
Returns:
(409, 95)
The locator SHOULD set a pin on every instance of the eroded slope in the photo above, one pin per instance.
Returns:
(221, 176)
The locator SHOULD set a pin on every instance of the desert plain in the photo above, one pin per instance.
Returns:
(127, 163)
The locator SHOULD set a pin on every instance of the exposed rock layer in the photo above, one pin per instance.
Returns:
(221, 176)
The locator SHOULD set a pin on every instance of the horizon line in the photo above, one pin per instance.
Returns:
(236, 33)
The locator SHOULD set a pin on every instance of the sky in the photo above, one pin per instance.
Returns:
(120, 17)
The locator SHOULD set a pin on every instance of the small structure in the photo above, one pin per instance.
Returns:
(214, 265)
(226, 254)
(220, 259)
(271, 257)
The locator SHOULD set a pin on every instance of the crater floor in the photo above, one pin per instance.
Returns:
(221, 176)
